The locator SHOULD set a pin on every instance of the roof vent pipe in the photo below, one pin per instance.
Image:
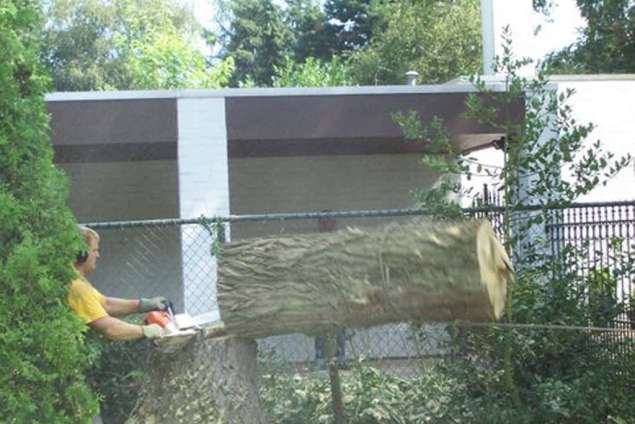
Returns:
(411, 77)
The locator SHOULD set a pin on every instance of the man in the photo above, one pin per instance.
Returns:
(100, 312)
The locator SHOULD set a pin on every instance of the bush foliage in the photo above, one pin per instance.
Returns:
(42, 352)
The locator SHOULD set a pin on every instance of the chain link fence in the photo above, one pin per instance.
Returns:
(176, 258)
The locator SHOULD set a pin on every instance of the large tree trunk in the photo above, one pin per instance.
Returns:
(421, 270)
(209, 380)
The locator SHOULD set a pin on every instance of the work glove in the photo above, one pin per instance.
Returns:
(152, 331)
(159, 303)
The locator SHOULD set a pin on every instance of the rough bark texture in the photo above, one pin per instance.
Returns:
(420, 270)
(209, 380)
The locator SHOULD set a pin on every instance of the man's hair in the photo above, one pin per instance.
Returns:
(88, 233)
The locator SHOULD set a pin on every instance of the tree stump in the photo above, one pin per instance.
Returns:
(312, 283)
(209, 380)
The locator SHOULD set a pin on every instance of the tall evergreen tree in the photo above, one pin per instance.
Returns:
(352, 23)
(42, 352)
(257, 38)
(312, 35)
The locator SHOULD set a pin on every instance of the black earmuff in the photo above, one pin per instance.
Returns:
(82, 255)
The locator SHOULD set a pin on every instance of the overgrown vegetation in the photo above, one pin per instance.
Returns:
(468, 388)
(117, 374)
(43, 355)
(553, 375)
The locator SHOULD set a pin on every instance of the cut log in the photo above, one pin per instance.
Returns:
(209, 380)
(312, 283)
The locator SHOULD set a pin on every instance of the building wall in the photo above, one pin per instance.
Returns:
(609, 105)
(315, 183)
(116, 191)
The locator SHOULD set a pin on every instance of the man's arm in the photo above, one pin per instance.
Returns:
(116, 329)
(120, 307)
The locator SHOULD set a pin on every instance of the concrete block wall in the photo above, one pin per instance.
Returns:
(314, 183)
(115, 191)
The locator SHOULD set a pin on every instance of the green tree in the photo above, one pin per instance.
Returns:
(127, 44)
(256, 36)
(607, 42)
(310, 30)
(313, 73)
(42, 352)
(439, 40)
(352, 23)
(166, 60)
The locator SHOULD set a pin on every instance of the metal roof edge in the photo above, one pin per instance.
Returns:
(266, 92)
(457, 85)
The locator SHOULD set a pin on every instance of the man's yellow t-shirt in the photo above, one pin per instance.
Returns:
(86, 301)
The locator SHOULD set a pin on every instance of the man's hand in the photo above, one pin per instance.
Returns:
(152, 331)
(159, 303)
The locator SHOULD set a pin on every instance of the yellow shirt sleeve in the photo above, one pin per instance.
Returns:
(86, 301)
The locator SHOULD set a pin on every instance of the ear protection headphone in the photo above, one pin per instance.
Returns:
(82, 255)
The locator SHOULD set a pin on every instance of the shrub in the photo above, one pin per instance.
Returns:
(42, 351)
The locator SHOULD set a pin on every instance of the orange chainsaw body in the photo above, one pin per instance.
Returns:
(157, 317)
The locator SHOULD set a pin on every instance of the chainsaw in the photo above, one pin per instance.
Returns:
(174, 325)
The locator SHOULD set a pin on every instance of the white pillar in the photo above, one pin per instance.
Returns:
(203, 191)
(488, 36)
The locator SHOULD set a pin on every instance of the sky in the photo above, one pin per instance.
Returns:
(204, 11)
(555, 32)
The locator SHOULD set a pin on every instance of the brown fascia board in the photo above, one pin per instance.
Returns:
(113, 130)
(132, 129)
(349, 124)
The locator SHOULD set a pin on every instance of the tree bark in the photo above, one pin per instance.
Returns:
(209, 380)
(421, 270)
